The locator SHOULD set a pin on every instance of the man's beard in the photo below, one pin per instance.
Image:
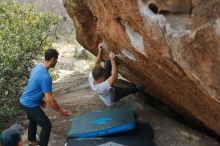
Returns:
(53, 65)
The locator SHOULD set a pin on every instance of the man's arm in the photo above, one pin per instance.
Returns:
(114, 72)
(51, 102)
(99, 56)
(43, 103)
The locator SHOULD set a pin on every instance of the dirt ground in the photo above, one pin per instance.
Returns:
(73, 93)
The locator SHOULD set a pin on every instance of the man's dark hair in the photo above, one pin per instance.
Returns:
(98, 72)
(51, 53)
(11, 136)
(10, 139)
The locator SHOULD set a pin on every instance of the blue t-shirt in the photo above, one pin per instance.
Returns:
(40, 82)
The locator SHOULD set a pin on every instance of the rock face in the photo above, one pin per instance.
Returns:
(170, 46)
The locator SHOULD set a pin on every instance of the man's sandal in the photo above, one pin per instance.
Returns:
(33, 143)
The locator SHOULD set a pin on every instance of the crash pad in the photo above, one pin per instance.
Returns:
(142, 135)
(102, 122)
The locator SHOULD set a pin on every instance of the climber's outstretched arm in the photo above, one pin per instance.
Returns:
(114, 72)
(99, 56)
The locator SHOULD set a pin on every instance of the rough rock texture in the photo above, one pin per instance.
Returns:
(170, 46)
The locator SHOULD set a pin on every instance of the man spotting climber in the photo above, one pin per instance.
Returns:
(39, 93)
(102, 80)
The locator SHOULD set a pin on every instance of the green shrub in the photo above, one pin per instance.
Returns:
(54, 73)
(6, 111)
(23, 37)
(7, 114)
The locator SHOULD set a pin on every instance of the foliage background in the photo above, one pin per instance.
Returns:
(24, 34)
(65, 28)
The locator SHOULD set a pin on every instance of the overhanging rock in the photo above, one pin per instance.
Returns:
(170, 46)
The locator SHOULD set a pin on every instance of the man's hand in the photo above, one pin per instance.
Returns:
(51, 102)
(43, 104)
(100, 48)
(64, 112)
(99, 56)
(112, 56)
(102, 45)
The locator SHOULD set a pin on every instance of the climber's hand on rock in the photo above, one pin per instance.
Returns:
(112, 56)
(101, 46)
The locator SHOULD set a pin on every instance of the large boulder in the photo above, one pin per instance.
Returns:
(170, 46)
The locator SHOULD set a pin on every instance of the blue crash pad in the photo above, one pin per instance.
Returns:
(142, 135)
(102, 122)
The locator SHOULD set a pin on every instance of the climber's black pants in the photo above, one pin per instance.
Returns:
(36, 116)
(120, 92)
